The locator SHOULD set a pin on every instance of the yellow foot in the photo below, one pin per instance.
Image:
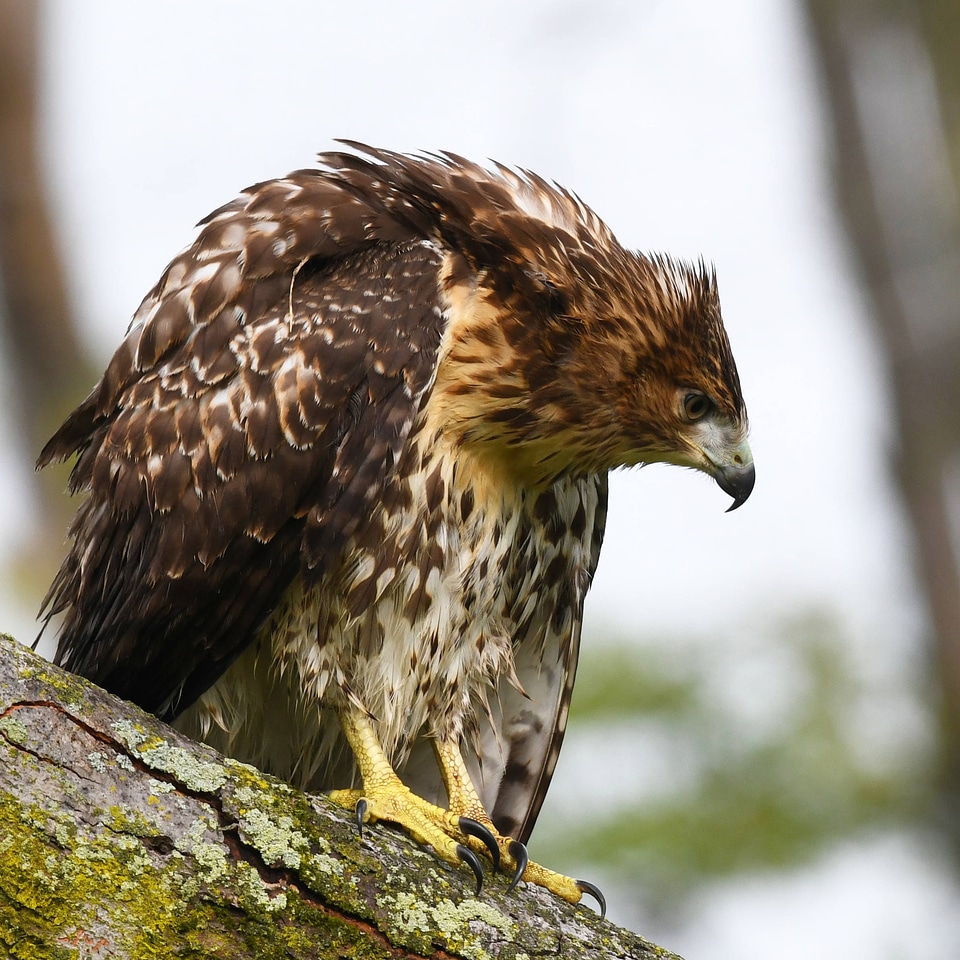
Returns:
(516, 862)
(457, 834)
(465, 804)
(455, 837)
(427, 823)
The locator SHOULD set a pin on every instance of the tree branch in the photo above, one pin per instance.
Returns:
(121, 838)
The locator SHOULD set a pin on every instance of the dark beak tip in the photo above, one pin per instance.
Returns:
(738, 483)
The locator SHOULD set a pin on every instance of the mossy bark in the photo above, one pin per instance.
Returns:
(120, 838)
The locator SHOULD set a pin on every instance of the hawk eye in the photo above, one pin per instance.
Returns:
(696, 406)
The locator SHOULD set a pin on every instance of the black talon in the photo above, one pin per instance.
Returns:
(519, 853)
(360, 810)
(474, 828)
(472, 861)
(587, 887)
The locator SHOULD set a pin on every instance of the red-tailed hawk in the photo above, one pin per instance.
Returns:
(347, 481)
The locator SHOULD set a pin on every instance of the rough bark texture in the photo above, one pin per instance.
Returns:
(120, 838)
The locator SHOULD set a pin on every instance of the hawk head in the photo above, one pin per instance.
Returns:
(566, 352)
(658, 372)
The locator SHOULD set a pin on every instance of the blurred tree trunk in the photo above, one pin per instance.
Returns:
(891, 74)
(35, 310)
(45, 363)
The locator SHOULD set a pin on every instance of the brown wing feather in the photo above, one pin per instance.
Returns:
(534, 752)
(237, 433)
(518, 757)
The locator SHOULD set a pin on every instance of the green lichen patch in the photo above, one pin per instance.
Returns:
(157, 788)
(249, 778)
(69, 689)
(415, 921)
(13, 730)
(283, 827)
(54, 902)
(64, 893)
(193, 773)
(279, 844)
(124, 820)
(124, 762)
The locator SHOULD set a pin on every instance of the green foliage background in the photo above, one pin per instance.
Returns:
(790, 752)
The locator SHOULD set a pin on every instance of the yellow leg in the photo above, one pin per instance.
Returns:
(385, 797)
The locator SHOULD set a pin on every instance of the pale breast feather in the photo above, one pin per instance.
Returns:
(454, 610)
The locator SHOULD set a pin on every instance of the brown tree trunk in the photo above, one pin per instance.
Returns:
(44, 349)
(892, 82)
(121, 838)
(44, 363)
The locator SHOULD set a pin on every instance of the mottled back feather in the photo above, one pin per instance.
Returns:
(232, 464)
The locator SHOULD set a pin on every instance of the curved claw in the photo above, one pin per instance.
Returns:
(587, 887)
(473, 828)
(473, 862)
(519, 853)
(361, 812)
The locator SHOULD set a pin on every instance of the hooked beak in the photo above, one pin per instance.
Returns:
(722, 452)
(731, 465)
(737, 480)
